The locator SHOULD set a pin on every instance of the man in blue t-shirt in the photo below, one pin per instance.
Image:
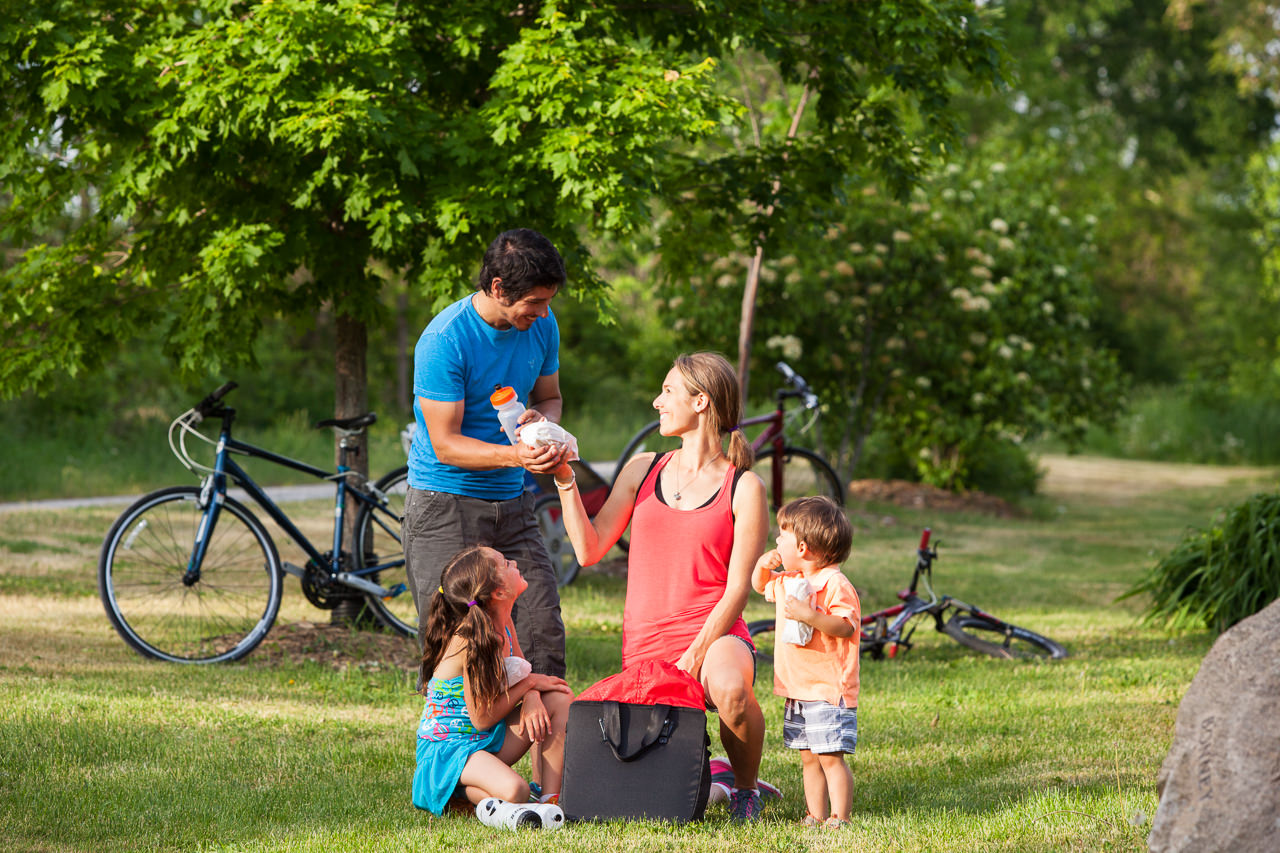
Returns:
(466, 480)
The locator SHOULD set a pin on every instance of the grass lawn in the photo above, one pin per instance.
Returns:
(101, 750)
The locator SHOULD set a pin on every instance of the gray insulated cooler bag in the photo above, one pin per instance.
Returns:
(626, 760)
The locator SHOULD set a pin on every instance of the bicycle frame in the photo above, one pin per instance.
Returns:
(912, 604)
(774, 434)
(213, 494)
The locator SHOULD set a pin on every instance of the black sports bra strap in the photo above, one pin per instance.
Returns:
(657, 457)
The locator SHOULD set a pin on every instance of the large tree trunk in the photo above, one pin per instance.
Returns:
(351, 398)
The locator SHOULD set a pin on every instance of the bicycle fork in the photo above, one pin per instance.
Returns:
(212, 493)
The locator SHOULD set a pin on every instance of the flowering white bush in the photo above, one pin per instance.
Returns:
(967, 320)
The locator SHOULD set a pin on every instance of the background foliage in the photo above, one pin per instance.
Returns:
(212, 184)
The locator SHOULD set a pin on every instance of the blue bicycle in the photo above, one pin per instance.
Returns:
(189, 575)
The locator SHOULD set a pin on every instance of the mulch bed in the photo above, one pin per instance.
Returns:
(336, 646)
(922, 496)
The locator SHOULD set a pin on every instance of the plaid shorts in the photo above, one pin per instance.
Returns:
(819, 726)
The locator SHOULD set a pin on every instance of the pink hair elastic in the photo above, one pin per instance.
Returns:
(471, 603)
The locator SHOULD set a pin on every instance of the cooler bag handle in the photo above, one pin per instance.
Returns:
(656, 731)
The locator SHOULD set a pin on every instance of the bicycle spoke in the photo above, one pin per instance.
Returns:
(223, 614)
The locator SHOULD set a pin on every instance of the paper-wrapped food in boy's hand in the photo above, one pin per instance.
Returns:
(792, 631)
(548, 433)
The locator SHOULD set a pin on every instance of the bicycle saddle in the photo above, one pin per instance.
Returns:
(358, 422)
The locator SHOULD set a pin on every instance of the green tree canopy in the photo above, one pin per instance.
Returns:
(234, 160)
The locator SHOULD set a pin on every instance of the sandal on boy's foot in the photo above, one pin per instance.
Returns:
(744, 804)
(834, 822)
(810, 821)
(500, 814)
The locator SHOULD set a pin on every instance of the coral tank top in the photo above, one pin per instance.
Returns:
(677, 568)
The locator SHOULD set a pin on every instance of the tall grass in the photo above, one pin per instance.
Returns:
(91, 456)
(1216, 577)
(1188, 424)
(97, 456)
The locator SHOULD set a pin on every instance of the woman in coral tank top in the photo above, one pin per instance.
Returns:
(698, 521)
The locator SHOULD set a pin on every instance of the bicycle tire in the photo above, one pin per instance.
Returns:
(378, 540)
(564, 562)
(804, 473)
(224, 615)
(999, 639)
(762, 636)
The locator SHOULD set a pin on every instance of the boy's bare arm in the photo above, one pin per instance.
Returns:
(827, 623)
(765, 566)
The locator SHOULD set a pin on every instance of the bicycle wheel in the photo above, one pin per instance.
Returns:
(551, 525)
(991, 636)
(803, 473)
(378, 543)
(763, 634)
(223, 615)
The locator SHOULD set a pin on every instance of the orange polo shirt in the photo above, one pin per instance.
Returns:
(825, 668)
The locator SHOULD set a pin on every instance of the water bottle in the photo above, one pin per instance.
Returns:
(509, 410)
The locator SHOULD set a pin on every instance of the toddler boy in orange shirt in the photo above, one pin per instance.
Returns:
(818, 680)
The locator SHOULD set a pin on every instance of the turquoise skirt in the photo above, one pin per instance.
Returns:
(440, 764)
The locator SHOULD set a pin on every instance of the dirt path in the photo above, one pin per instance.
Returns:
(1121, 478)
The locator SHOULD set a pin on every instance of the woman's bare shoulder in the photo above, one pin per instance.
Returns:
(634, 471)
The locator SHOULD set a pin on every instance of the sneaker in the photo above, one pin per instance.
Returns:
(744, 804)
(722, 774)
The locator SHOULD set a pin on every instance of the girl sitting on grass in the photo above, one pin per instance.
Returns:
(484, 708)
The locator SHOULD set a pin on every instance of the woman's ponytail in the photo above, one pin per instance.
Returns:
(740, 454)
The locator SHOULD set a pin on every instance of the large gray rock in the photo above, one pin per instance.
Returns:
(1220, 784)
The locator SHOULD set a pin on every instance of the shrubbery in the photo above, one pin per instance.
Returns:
(1215, 578)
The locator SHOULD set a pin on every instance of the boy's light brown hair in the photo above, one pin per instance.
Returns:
(821, 525)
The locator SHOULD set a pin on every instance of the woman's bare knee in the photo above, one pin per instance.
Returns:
(730, 696)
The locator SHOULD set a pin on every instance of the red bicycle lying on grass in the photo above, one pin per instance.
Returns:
(886, 633)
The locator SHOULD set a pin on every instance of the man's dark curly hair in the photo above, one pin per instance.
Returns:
(523, 259)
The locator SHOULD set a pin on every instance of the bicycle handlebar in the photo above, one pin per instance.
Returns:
(797, 382)
(924, 538)
(206, 406)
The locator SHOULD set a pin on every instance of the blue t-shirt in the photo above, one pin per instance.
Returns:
(461, 357)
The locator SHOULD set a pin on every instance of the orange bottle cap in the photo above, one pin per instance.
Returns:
(505, 394)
